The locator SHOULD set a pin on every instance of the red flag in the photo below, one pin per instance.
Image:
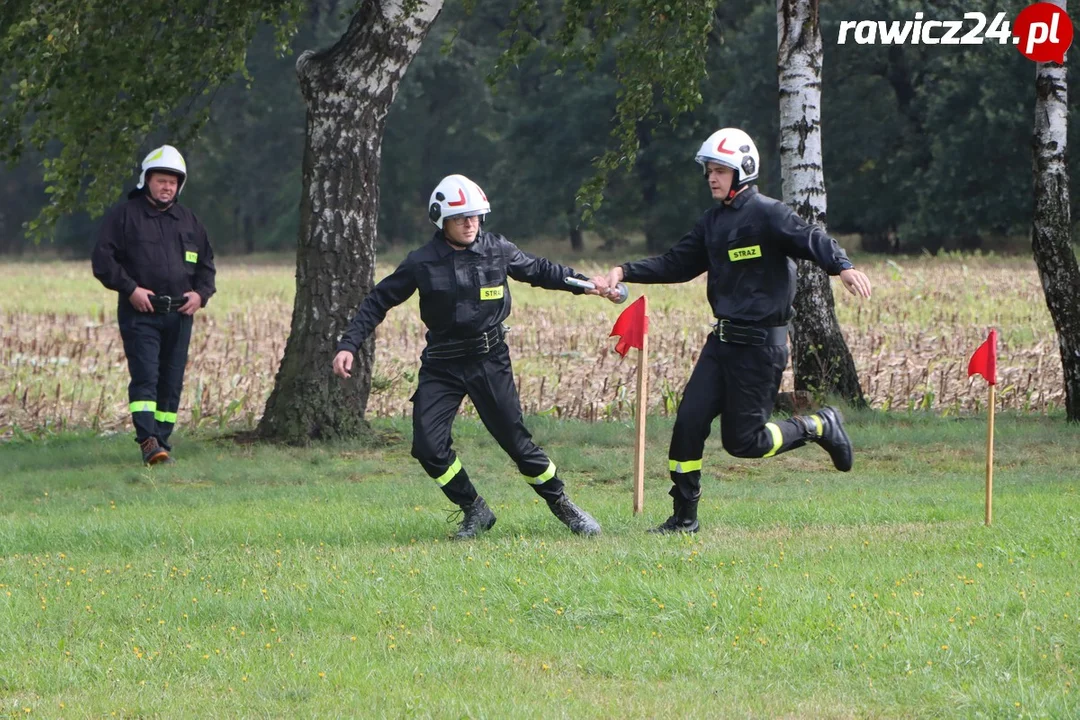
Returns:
(631, 327)
(984, 361)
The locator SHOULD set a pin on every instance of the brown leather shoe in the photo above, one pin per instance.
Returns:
(152, 452)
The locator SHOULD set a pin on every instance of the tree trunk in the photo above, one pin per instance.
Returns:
(821, 361)
(1050, 240)
(573, 219)
(348, 90)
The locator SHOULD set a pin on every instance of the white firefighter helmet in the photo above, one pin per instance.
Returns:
(456, 195)
(731, 148)
(166, 158)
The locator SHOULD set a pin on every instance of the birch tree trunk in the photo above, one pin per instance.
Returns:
(348, 89)
(821, 361)
(1050, 241)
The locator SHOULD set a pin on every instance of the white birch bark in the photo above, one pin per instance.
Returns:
(821, 361)
(1051, 224)
(348, 89)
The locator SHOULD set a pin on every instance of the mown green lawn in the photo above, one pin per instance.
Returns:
(256, 581)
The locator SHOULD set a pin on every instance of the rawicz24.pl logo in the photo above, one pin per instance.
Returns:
(1041, 32)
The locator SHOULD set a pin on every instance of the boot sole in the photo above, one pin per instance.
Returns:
(157, 458)
(675, 531)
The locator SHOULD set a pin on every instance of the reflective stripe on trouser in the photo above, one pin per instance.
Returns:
(156, 347)
(488, 381)
(142, 417)
(738, 384)
(457, 487)
(544, 477)
(447, 476)
(683, 466)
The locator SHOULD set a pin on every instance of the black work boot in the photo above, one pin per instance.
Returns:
(579, 521)
(683, 518)
(826, 428)
(478, 518)
(152, 452)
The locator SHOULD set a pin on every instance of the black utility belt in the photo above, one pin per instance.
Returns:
(470, 347)
(729, 332)
(165, 304)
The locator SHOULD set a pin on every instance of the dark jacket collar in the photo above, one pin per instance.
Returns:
(442, 247)
(152, 211)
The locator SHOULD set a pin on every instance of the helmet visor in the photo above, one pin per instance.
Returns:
(467, 213)
(704, 160)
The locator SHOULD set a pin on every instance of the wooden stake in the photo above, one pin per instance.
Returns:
(990, 462)
(639, 419)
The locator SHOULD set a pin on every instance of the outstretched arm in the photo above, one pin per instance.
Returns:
(538, 271)
(807, 241)
(684, 261)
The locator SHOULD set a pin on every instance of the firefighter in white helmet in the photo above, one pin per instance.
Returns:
(747, 244)
(461, 275)
(155, 253)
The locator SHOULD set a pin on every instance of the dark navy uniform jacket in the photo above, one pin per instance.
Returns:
(748, 250)
(463, 293)
(168, 253)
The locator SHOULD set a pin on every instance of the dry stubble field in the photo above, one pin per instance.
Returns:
(62, 362)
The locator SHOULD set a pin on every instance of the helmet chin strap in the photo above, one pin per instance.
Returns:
(158, 204)
(734, 186)
(451, 241)
(736, 189)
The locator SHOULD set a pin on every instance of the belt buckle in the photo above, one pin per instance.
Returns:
(720, 330)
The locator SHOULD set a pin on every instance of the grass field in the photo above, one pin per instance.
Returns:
(259, 581)
(63, 364)
(253, 581)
